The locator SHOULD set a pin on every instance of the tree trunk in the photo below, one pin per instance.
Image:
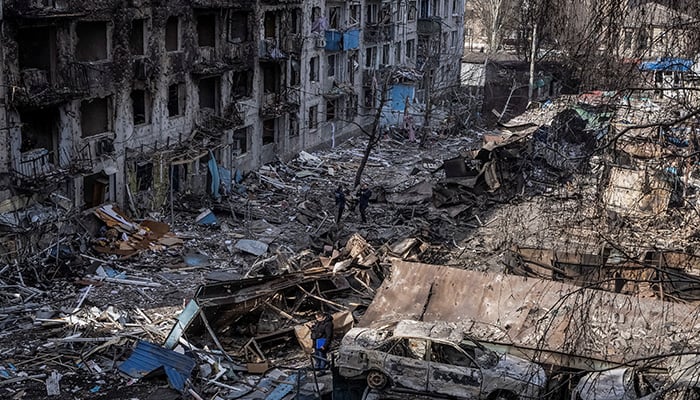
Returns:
(374, 135)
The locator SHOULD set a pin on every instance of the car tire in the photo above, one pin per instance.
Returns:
(377, 380)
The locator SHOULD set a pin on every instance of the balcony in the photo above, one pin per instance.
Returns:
(270, 49)
(37, 88)
(292, 44)
(277, 104)
(429, 25)
(376, 33)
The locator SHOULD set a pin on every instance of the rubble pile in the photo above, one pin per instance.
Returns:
(216, 293)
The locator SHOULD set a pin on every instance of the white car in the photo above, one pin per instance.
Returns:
(435, 360)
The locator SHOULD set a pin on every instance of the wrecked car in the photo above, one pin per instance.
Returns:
(435, 359)
(624, 383)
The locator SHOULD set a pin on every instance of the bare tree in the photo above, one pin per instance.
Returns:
(496, 17)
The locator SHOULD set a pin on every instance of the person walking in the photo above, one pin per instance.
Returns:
(363, 196)
(322, 335)
(339, 202)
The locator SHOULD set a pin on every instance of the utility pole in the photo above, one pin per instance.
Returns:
(533, 54)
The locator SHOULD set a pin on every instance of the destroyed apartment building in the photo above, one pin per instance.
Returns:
(125, 102)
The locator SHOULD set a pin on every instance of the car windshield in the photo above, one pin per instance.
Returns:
(484, 357)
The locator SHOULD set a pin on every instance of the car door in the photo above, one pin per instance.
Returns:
(406, 366)
(453, 372)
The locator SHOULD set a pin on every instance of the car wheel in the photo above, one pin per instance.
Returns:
(377, 380)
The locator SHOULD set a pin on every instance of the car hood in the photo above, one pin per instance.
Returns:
(520, 369)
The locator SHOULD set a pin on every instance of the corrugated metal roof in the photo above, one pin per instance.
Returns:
(148, 358)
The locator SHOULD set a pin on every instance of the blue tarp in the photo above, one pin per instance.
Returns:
(148, 358)
(667, 64)
(398, 94)
(351, 39)
(333, 41)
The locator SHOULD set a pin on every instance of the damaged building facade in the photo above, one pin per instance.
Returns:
(130, 102)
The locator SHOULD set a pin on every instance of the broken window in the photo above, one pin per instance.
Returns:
(37, 48)
(95, 189)
(270, 25)
(95, 116)
(355, 14)
(241, 84)
(448, 354)
(140, 106)
(410, 49)
(240, 141)
(172, 34)
(370, 57)
(92, 41)
(313, 117)
(238, 27)
(209, 93)
(294, 73)
(137, 37)
(297, 19)
(268, 131)
(144, 175)
(40, 130)
(385, 54)
(372, 15)
(412, 10)
(334, 17)
(397, 52)
(454, 39)
(293, 125)
(368, 100)
(351, 107)
(271, 77)
(332, 63)
(410, 348)
(331, 109)
(176, 100)
(206, 31)
(313, 69)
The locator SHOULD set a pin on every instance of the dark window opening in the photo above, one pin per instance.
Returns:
(206, 31)
(208, 93)
(238, 27)
(331, 65)
(242, 84)
(240, 140)
(270, 25)
(36, 48)
(94, 116)
(295, 73)
(176, 99)
(40, 130)
(144, 176)
(313, 117)
(293, 126)
(271, 77)
(92, 41)
(334, 17)
(296, 20)
(138, 104)
(136, 38)
(331, 106)
(95, 189)
(313, 69)
(172, 34)
(268, 131)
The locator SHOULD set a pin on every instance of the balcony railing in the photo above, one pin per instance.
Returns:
(37, 87)
(375, 33)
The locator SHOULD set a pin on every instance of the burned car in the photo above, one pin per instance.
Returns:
(625, 383)
(435, 359)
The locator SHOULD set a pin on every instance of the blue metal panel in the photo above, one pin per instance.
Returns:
(283, 388)
(333, 39)
(183, 322)
(148, 358)
(351, 39)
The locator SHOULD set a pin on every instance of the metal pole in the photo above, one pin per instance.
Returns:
(533, 52)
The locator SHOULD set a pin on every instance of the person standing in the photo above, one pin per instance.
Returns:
(339, 202)
(322, 335)
(363, 196)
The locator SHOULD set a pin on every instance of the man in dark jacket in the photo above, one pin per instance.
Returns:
(322, 335)
(363, 196)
